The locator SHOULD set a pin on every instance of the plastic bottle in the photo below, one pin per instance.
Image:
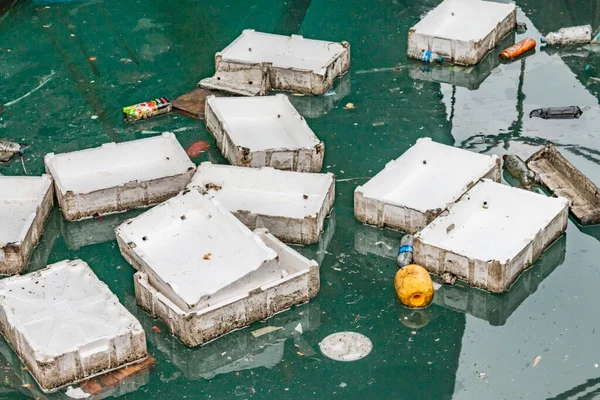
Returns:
(405, 252)
(9, 149)
(570, 35)
(517, 49)
(427, 56)
(518, 169)
(557, 112)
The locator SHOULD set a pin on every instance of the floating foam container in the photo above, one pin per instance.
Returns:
(256, 63)
(291, 205)
(119, 176)
(67, 326)
(491, 235)
(263, 132)
(204, 273)
(25, 204)
(462, 31)
(415, 188)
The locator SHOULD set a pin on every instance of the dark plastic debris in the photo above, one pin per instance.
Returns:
(557, 112)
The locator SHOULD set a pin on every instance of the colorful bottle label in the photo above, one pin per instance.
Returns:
(407, 248)
(148, 109)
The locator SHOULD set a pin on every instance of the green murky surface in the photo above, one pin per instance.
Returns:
(470, 344)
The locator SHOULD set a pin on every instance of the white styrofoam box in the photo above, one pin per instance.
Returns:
(25, 204)
(291, 205)
(196, 252)
(119, 176)
(299, 284)
(263, 132)
(462, 31)
(415, 188)
(256, 62)
(491, 235)
(66, 325)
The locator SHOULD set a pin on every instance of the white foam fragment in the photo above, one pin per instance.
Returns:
(196, 252)
(263, 132)
(256, 63)
(25, 203)
(462, 31)
(291, 205)
(491, 235)
(413, 189)
(66, 325)
(119, 176)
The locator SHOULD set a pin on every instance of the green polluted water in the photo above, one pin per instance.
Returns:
(67, 69)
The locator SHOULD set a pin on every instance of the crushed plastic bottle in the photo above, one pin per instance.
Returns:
(557, 112)
(427, 56)
(568, 36)
(405, 252)
(518, 169)
(9, 149)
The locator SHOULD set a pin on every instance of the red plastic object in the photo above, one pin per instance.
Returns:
(196, 148)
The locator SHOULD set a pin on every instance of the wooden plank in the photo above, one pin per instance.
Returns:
(192, 104)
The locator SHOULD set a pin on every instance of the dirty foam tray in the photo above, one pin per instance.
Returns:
(119, 176)
(491, 235)
(25, 204)
(291, 205)
(462, 31)
(415, 188)
(66, 325)
(299, 284)
(563, 179)
(255, 63)
(195, 252)
(263, 132)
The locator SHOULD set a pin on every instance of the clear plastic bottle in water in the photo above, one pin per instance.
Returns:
(405, 252)
(427, 56)
(519, 170)
(570, 35)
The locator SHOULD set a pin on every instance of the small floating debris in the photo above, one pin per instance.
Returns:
(346, 346)
(569, 36)
(197, 148)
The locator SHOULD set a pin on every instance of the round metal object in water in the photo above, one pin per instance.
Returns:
(346, 346)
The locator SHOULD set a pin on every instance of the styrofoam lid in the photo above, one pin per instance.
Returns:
(265, 191)
(195, 245)
(64, 308)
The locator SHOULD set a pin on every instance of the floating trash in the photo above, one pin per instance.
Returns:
(197, 148)
(346, 346)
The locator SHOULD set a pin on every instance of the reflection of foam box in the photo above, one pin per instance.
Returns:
(263, 132)
(205, 274)
(117, 177)
(256, 63)
(462, 31)
(497, 308)
(415, 188)
(25, 204)
(67, 326)
(291, 205)
(491, 235)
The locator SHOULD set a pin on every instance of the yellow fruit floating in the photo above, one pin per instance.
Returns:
(413, 286)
